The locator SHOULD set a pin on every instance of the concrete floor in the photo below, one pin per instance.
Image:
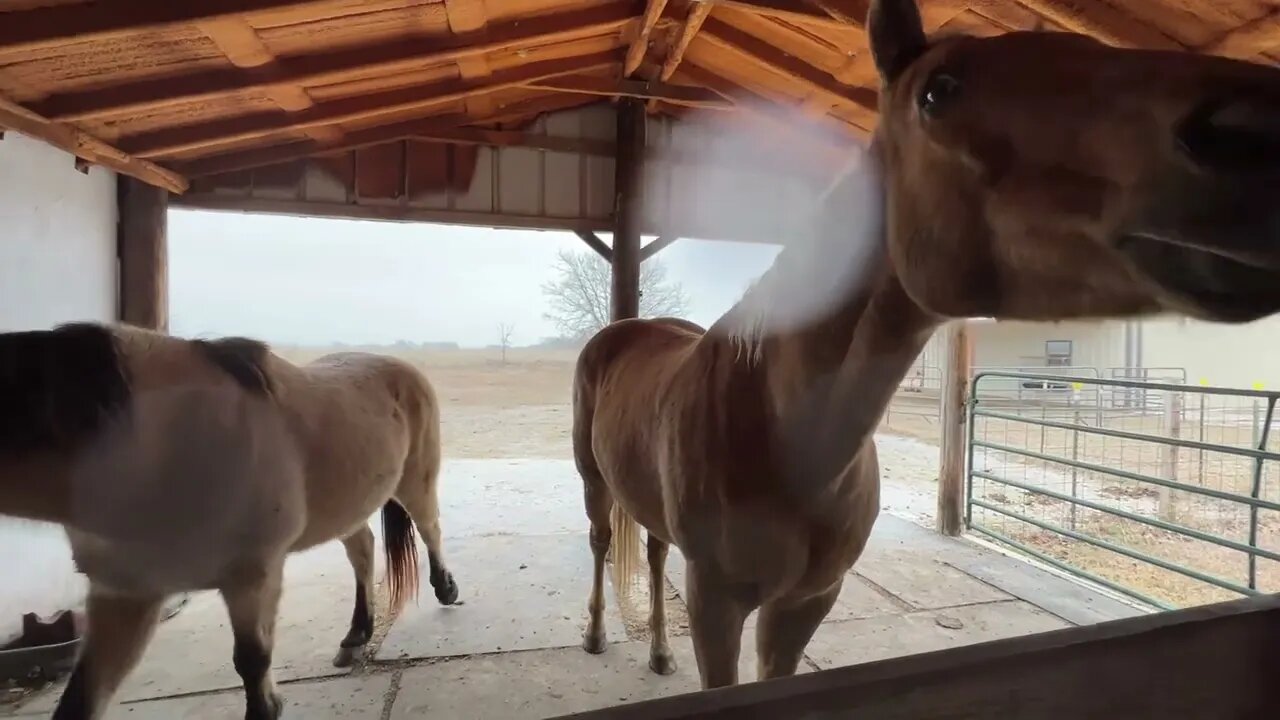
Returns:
(516, 542)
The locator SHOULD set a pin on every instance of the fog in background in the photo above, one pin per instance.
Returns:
(312, 281)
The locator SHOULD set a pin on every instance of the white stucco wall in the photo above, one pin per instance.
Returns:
(1022, 344)
(57, 263)
(1216, 354)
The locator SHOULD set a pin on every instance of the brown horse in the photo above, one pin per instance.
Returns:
(1030, 175)
(179, 465)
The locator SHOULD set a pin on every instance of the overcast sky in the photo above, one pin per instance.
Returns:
(317, 281)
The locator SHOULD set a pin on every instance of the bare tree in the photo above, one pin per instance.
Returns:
(579, 296)
(504, 338)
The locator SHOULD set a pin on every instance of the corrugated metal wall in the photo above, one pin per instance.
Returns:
(709, 180)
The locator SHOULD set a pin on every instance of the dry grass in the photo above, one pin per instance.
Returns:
(492, 409)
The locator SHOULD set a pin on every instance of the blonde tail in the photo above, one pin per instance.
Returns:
(626, 549)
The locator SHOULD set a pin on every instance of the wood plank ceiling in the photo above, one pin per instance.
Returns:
(166, 91)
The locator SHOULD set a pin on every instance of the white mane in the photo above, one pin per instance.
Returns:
(816, 272)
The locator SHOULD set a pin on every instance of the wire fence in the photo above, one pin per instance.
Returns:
(1166, 492)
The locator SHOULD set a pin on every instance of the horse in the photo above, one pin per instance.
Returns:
(1031, 176)
(178, 465)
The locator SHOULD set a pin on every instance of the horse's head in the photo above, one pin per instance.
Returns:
(1046, 175)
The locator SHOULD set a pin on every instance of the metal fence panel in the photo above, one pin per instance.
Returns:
(1167, 492)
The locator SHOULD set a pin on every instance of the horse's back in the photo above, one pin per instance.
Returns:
(645, 344)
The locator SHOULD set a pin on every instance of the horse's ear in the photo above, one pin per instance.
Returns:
(896, 35)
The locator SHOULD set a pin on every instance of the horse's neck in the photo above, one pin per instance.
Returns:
(830, 380)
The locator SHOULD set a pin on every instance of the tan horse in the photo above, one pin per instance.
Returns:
(180, 465)
(1030, 175)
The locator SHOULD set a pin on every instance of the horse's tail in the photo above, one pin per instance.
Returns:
(401, 550)
(626, 549)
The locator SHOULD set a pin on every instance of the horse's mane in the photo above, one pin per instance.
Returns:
(59, 386)
(244, 359)
(814, 274)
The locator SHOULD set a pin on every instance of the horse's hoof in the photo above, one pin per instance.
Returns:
(269, 709)
(663, 663)
(348, 656)
(594, 644)
(447, 594)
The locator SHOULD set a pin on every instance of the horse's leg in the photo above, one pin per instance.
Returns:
(784, 630)
(716, 616)
(119, 630)
(359, 547)
(424, 507)
(599, 502)
(252, 606)
(661, 659)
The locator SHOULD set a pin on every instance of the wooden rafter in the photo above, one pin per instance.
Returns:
(1102, 20)
(31, 30)
(748, 47)
(422, 129)
(640, 44)
(240, 43)
(698, 13)
(87, 147)
(470, 18)
(421, 97)
(387, 213)
(333, 66)
(1249, 40)
(674, 94)
(822, 148)
(804, 11)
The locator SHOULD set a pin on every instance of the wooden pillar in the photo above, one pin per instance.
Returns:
(626, 209)
(143, 249)
(955, 388)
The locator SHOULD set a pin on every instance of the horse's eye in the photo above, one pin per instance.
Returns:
(938, 91)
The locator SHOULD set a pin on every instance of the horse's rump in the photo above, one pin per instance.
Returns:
(631, 361)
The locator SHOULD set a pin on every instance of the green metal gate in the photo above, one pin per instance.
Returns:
(1167, 493)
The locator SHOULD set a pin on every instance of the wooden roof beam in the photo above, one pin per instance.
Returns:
(822, 145)
(730, 39)
(335, 66)
(1102, 20)
(674, 94)
(29, 30)
(1249, 40)
(698, 13)
(470, 17)
(160, 143)
(640, 43)
(87, 147)
(426, 129)
(838, 13)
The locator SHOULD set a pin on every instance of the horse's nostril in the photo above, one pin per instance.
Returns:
(1238, 135)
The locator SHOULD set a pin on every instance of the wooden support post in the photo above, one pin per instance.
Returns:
(594, 242)
(626, 209)
(143, 250)
(955, 387)
(655, 247)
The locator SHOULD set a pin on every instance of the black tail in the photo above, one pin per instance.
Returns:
(401, 548)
